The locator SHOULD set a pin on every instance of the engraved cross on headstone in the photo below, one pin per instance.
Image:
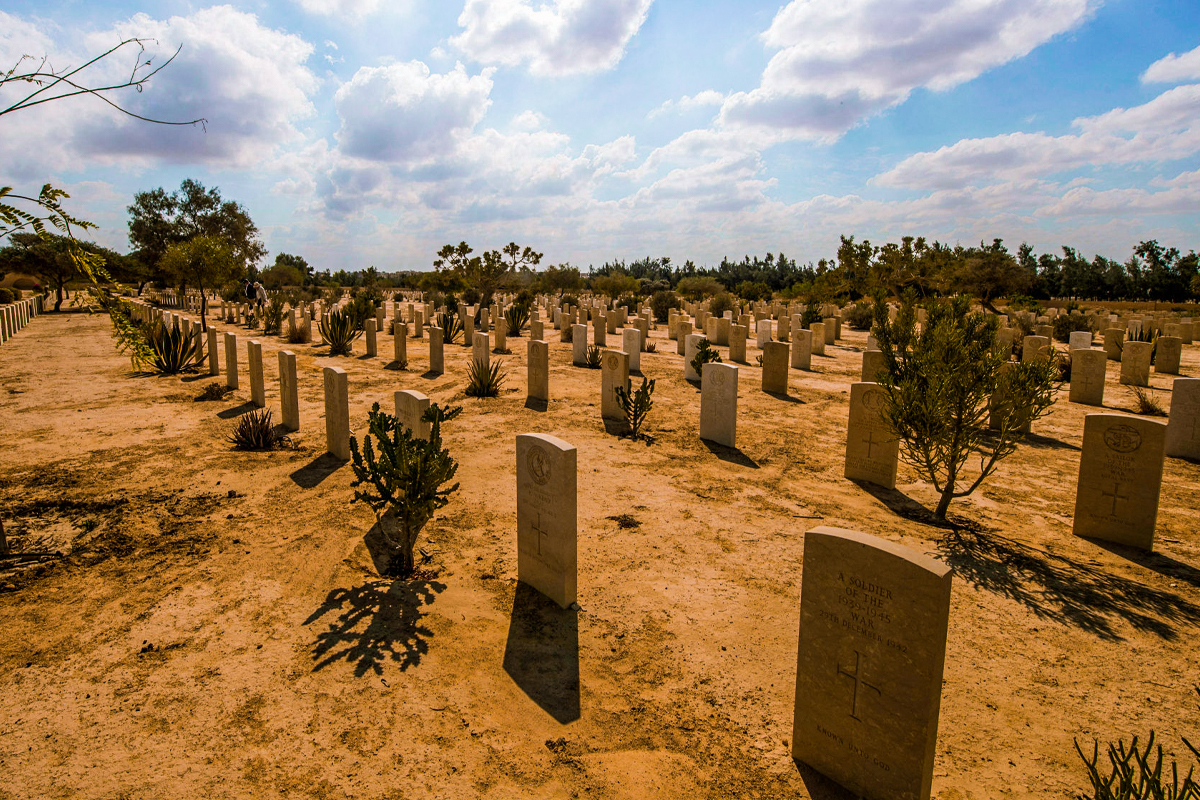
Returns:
(1116, 495)
(870, 441)
(537, 528)
(858, 682)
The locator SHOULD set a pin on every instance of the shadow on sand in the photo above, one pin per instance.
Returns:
(542, 653)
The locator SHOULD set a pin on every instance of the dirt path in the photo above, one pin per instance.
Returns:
(218, 628)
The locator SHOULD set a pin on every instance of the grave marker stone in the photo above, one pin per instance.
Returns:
(1080, 340)
(337, 413)
(538, 370)
(1168, 355)
(718, 404)
(763, 333)
(258, 389)
(400, 343)
(410, 407)
(631, 343)
(579, 345)
(802, 349)
(818, 338)
(1087, 376)
(873, 363)
(831, 330)
(372, 341)
(231, 371)
(1120, 477)
(691, 344)
(872, 452)
(547, 516)
(289, 399)
(437, 355)
(775, 368)
(614, 372)
(479, 348)
(873, 623)
(214, 366)
(1183, 426)
(501, 335)
(1135, 363)
(1114, 338)
(1035, 347)
(737, 343)
(683, 329)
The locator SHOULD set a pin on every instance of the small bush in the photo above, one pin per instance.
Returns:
(1064, 325)
(592, 358)
(6, 297)
(705, 354)
(661, 304)
(720, 304)
(254, 431)
(753, 291)
(812, 313)
(1063, 361)
(1146, 402)
(1137, 773)
(651, 347)
(860, 317)
(214, 391)
(339, 332)
(299, 334)
(693, 288)
(273, 316)
(636, 406)
(484, 380)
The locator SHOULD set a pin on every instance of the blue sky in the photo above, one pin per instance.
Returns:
(360, 132)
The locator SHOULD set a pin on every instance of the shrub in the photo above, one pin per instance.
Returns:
(1063, 362)
(937, 385)
(1136, 774)
(214, 391)
(630, 304)
(753, 291)
(484, 380)
(6, 297)
(705, 354)
(361, 308)
(636, 406)
(408, 480)
(1064, 325)
(339, 332)
(860, 316)
(721, 303)
(273, 316)
(812, 313)
(1146, 402)
(254, 431)
(451, 325)
(651, 347)
(516, 317)
(299, 334)
(694, 288)
(173, 351)
(592, 357)
(661, 304)
(568, 300)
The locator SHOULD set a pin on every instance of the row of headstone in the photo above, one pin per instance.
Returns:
(16, 315)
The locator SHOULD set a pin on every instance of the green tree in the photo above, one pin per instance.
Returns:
(299, 264)
(938, 383)
(279, 275)
(990, 272)
(159, 220)
(204, 262)
(48, 258)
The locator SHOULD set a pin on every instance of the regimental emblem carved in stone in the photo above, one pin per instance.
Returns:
(1122, 438)
(718, 377)
(612, 361)
(873, 400)
(539, 465)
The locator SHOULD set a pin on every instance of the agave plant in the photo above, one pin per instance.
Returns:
(254, 431)
(484, 380)
(173, 350)
(592, 357)
(516, 317)
(450, 324)
(339, 332)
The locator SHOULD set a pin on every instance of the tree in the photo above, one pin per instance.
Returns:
(19, 213)
(204, 262)
(299, 264)
(279, 275)
(159, 220)
(938, 383)
(49, 259)
(559, 280)
(989, 272)
(486, 273)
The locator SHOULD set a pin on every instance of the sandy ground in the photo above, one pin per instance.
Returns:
(218, 628)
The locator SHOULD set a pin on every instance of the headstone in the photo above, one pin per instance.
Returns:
(683, 329)
(737, 343)
(763, 333)
(830, 330)
(802, 349)
(372, 341)
(437, 356)
(289, 398)
(818, 338)
(1080, 340)
(1035, 347)
(468, 319)
(1088, 369)
(784, 329)
(214, 366)
(419, 325)
(231, 371)
(691, 344)
(872, 364)
(400, 343)
(724, 326)
(537, 329)
(1114, 338)
(718, 404)
(258, 389)
(614, 373)
(872, 451)
(579, 345)
(775, 368)
(1183, 426)
(479, 349)
(631, 343)
(547, 521)
(599, 331)
(501, 335)
(410, 408)
(873, 623)
(538, 370)
(1120, 476)
(1168, 355)
(337, 413)
(1135, 363)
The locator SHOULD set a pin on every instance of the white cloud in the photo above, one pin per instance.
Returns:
(341, 8)
(708, 97)
(250, 83)
(1174, 69)
(1163, 129)
(403, 113)
(561, 37)
(840, 63)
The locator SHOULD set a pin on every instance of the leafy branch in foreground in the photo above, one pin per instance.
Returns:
(404, 478)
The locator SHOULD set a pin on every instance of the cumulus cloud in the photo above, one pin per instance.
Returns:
(248, 81)
(708, 97)
(405, 113)
(1164, 129)
(1174, 69)
(340, 8)
(839, 63)
(560, 37)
